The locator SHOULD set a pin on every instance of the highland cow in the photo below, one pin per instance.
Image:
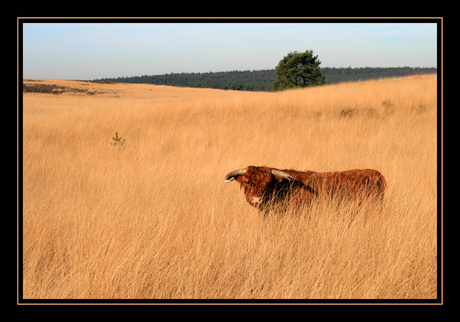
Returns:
(266, 187)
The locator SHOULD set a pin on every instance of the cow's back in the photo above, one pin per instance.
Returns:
(352, 184)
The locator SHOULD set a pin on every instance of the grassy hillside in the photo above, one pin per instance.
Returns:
(153, 218)
(262, 80)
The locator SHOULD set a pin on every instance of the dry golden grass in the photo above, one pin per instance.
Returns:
(154, 219)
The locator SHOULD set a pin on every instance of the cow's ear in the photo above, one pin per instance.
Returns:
(278, 179)
(239, 179)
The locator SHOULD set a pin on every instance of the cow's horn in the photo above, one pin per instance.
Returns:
(231, 176)
(281, 174)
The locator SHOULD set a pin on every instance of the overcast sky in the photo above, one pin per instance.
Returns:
(98, 50)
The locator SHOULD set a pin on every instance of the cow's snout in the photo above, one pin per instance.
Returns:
(255, 199)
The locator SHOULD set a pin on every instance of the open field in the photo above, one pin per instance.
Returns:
(153, 218)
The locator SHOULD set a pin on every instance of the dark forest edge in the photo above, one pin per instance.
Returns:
(262, 80)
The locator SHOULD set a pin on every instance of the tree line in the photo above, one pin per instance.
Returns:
(338, 75)
(262, 80)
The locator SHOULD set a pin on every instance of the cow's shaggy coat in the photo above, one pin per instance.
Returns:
(266, 187)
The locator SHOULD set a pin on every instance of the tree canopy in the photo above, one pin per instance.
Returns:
(298, 70)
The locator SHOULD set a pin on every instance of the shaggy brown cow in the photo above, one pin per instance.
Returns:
(265, 187)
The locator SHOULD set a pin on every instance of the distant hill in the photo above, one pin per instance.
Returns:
(262, 80)
(339, 75)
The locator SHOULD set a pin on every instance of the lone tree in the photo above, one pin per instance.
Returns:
(298, 70)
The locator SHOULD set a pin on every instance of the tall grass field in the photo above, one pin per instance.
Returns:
(148, 216)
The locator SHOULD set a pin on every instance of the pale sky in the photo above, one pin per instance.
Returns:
(97, 50)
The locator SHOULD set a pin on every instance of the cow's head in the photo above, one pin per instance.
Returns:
(257, 182)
